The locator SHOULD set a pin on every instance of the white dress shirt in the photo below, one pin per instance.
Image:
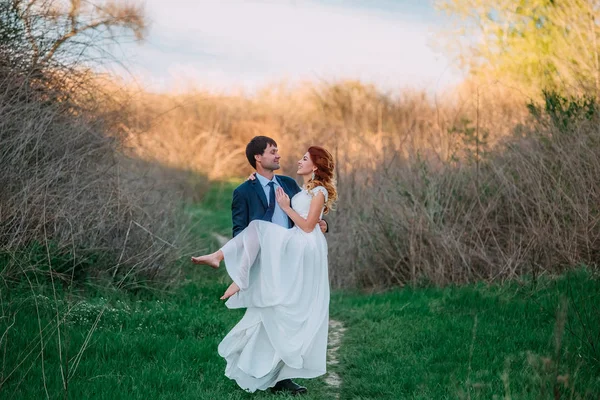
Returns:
(279, 216)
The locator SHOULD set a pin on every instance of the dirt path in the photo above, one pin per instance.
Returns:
(336, 333)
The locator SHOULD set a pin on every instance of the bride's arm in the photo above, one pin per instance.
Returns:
(306, 224)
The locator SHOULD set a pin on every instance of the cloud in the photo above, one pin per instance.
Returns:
(248, 44)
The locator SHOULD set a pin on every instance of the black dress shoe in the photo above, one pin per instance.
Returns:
(287, 385)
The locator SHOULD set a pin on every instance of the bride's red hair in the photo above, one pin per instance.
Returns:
(323, 160)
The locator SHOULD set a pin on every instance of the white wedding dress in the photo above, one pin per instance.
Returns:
(284, 284)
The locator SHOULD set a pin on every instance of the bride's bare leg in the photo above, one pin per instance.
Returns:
(244, 249)
(231, 290)
(213, 259)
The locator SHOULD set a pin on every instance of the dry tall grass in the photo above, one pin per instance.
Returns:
(525, 204)
(453, 189)
(68, 183)
(208, 132)
(530, 208)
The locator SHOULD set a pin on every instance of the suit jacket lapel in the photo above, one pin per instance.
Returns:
(286, 188)
(261, 192)
(289, 191)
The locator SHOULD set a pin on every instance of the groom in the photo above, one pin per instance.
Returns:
(255, 199)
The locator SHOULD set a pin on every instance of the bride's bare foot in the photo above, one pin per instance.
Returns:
(231, 290)
(213, 259)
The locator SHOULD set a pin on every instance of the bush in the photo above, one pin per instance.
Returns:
(69, 182)
(530, 206)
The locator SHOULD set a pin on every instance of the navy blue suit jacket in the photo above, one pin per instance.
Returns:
(250, 203)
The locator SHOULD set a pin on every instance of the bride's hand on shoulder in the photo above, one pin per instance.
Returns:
(252, 177)
(282, 199)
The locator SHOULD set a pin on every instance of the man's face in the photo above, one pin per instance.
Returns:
(269, 159)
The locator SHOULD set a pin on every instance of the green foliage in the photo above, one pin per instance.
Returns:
(564, 112)
(537, 44)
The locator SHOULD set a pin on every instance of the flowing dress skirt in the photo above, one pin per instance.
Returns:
(283, 277)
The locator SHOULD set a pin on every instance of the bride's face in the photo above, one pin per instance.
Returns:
(305, 165)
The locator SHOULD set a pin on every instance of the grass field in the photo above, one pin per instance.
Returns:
(521, 340)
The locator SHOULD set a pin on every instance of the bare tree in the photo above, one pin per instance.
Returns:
(46, 27)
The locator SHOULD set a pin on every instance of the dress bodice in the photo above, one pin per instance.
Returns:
(301, 201)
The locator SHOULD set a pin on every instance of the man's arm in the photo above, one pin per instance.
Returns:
(239, 212)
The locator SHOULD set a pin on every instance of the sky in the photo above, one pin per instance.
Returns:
(229, 45)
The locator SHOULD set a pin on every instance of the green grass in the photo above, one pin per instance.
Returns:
(213, 215)
(142, 348)
(474, 341)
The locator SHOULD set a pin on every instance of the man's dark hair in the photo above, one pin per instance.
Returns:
(257, 146)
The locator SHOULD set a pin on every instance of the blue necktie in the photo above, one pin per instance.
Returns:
(271, 209)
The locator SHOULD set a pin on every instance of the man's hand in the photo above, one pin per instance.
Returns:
(323, 225)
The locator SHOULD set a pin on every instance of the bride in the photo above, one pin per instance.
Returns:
(280, 276)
